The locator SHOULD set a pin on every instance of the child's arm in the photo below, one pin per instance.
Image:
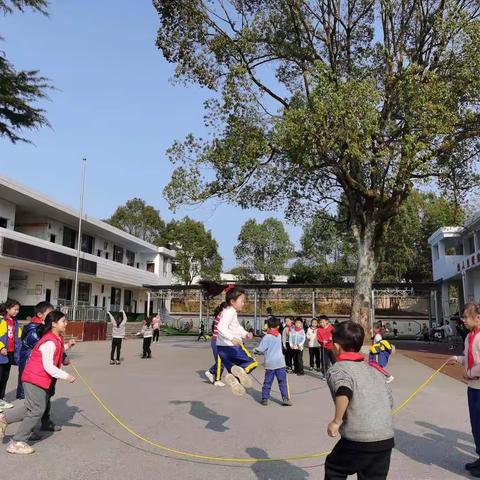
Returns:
(341, 405)
(48, 350)
(110, 316)
(262, 347)
(124, 318)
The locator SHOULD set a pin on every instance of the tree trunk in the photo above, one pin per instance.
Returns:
(366, 268)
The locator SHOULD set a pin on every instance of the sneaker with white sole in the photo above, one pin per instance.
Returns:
(5, 405)
(390, 379)
(242, 375)
(218, 383)
(3, 426)
(234, 384)
(19, 448)
(210, 377)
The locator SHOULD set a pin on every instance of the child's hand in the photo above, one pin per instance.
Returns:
(66, 362)
(72, 343)
(236, 341)
(71, 379)
(3, 351)
(332, 428)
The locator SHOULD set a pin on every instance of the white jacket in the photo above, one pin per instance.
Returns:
(118, 332)
(229, 328)
(312, 337)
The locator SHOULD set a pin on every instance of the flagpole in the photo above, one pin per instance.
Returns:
(79, 241)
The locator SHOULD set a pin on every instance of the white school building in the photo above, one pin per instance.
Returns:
(456, 266)
(38, 252)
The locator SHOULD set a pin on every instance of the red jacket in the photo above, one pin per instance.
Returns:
(34, 372)
(324, 337)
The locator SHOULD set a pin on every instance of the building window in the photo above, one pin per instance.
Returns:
(87, 243)
(127, 298)
(471, 245)
(84, 292)
(117, 254)
(436, 255)
(138, 265)
(115, 297)
(165, 263)
(130, 258)
(53, 238)
(69, 236)
(106, 255)
(99, 253)
(65, 290)
(150, 267)
(3, 222)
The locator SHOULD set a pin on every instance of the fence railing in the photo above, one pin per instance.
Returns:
(84, 314)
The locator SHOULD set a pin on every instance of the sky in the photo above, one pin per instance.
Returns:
(114, 103)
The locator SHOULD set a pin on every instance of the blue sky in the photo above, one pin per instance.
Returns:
(114, 104)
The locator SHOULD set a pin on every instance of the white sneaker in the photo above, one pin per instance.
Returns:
(5, 405)
(234, 384)
(390, 379)
(209, 375)
(19, 448)
(218, 383)
(242, 375)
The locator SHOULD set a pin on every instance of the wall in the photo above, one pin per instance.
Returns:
(7, 210)
(4, 282)
(29, 288)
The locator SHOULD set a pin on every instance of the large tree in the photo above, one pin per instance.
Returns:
(264, 248)
(197, 250)
(20, 90)
(320, 102)
(139, 219)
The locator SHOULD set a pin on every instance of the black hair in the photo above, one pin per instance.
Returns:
(233, 294)
(212, 289)
(219, 309)
(10, 303)
(349, 335)
(148, 320)
(298, 319)
(273, 322)
(323, 317)
(42, 307)
(52, 317)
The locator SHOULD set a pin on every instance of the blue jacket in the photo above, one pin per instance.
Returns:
(30, 337)
(271, 347)
(17, 331)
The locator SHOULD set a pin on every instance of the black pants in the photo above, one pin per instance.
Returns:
(328, 358)
(287, 352)
(156, 335)
(344, 461)
(146, 347)
(4, 374)
(202, 334)
(314, 353)
(116, 346)
(298, 361)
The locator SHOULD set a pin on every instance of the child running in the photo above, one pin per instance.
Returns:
(216, 370)
(297, 341)
(313, 345)
(10, 345)
(147, 333)
(378, 358)
(366, 440)
(118, 334)
(235, 357)
(271, 347)
(40, 370)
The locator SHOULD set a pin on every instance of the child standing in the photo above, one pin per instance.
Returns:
(287, 350)
(313, 345)
(297, 341)
(471, 364)
(216, 370)
(118, 334)
(147, 333)
(40, 370)
(271, 347)
(156, 328)
(233, 353)
(10, 345)
(324, 336)
(366, 440)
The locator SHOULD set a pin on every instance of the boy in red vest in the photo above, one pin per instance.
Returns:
(324, 336)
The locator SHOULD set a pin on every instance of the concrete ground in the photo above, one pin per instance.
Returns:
(167, 400)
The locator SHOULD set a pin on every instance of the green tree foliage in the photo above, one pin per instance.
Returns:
(303, 272)
(264, 248)
(139, 219)
(323, 102)
(20, 90)
(197, 250)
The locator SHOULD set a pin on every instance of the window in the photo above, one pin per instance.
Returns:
(99, 253)
(117, 254)
(65, 290)
(127, 298)
(471, 245)
(87, 243)
(150, 267)
(115, 297)
(435, 252)
(3, 222)
(95, 301)
(53, 238)
(84, 292)
(138, 265)
(69, 236)
(130, 258)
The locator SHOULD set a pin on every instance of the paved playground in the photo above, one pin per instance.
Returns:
(167, 400)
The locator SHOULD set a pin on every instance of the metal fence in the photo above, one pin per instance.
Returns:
(84, 314)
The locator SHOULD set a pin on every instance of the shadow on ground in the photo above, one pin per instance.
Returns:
(199, 410)
(274, 470)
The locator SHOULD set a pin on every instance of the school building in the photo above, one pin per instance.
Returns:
(456, 266)
(38, 255)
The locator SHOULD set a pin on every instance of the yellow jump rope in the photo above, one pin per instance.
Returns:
(210, 458)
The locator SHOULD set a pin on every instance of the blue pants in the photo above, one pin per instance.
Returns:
(217, 368)
(237, 355)
(474, 410)
(281, 374)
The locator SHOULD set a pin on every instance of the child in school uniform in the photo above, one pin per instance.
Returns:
(118, 334)
(378, 358)
(324, 336)
(271, 347)
(297, 341)
(216, 370)
(313, 345)
(471, 364)
(147, 333)
(287, 350)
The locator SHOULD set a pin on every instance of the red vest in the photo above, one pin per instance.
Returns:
(34, 372)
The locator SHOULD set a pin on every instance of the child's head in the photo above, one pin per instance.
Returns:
(148, 320)
(56, 322)
(273, 323)
(10, 307)
(471, 316)
(236, 298)
(323, 321)
(348, 337)
(314, 323)
(288, 322)
(42, 309)
(298, 322)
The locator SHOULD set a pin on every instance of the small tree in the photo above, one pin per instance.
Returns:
(264, 248)
(20, 90)
(367, 99)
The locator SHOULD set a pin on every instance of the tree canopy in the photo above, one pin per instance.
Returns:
(264, 248)
(321, 102)
(20, 90)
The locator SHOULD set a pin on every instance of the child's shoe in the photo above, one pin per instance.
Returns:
(112, 362)
(287, 402)
(218, 383)
(19, 448)
(5, 405)
(242, 375)
(390, 379)
(234, 384)
(209, 375)
(117, 362)
(3, 426)
(264, 402)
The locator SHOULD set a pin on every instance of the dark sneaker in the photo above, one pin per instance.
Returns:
(35, 437)
(475, 472)
(287, 403)
(473, 465)
(264, 402)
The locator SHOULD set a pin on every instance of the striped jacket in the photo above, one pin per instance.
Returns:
(4, 340)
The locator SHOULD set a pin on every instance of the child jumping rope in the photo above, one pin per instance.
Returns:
(147, 333)
(118, 334)
(216, 370)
